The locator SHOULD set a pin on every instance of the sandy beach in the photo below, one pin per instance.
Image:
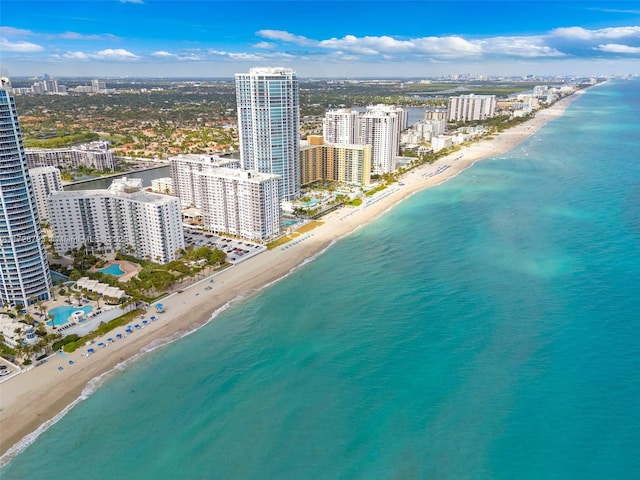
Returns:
(38, 396)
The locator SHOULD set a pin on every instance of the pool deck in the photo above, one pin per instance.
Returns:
(130, 269)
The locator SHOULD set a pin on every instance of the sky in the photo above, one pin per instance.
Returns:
(419, 38)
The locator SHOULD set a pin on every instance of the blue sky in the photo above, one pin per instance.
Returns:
(318, 38)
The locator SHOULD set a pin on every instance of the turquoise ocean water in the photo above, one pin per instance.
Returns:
(488, 328)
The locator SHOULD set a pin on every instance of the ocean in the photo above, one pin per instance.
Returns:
(487, 328)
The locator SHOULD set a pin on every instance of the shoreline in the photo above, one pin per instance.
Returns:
(31, 401)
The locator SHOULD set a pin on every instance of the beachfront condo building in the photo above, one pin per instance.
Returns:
(24, 271)
(466, 108)
(340, 163)
(44, 180)
(269, 124)
(341, 126)
(96, 155)
(183, 173)
(123, 217)
(244, 203)
(380, 127)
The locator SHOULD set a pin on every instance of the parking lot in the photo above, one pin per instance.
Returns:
(6, 369)
(236, 250)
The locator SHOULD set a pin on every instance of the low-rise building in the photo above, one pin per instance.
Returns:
(96, 155)
(441, 142)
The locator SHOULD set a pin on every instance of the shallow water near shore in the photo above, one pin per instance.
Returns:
(485, 328)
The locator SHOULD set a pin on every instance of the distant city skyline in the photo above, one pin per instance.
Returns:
(318, 38)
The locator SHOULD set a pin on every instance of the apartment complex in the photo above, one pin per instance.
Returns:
(122, 217)
(341, 163)
(466, 108)
(24, 271)
(96, 155)
(341, 126)
(380, 127)
(184, 169)
(245, 203)
(44, 180)
(268, 124)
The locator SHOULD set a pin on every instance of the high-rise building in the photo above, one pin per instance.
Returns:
(123, 217)
(24, 271)
(380, 127)
(341, 126)
(44, 180)
(183, 173)
(244, 203)
(349, 164)
(268, 124)
(465, 108)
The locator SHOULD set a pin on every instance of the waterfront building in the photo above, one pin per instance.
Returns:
(96, 155)
(423, 131)
(24, 271)
(380, 127)
(183, 173)
(44, 180)
(162, 185)
(269, 124)
(341, 126)
(441, 142)
(435, 114)
(466, 108)
(123, 217)
(341, 163)
(244, 203)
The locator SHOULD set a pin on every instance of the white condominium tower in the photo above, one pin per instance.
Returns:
(121, 218)
(24, 271)
(470, 107)
(184, 169)
(341, 126)
(44, 180)
(245, 203)
(380, 127)
(268, 123)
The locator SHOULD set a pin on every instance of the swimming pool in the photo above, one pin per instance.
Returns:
(61, 314)
(113, 269)
(58, 278)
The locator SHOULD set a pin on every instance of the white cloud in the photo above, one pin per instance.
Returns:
(75, 56)
(162, 53)
(523, 47)
(24, 47)
(15, 32)
(617, 48)
(286, 37)
(118, 54)
(447, 46)
(265, 45)
(84, 36)
(579, 33)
